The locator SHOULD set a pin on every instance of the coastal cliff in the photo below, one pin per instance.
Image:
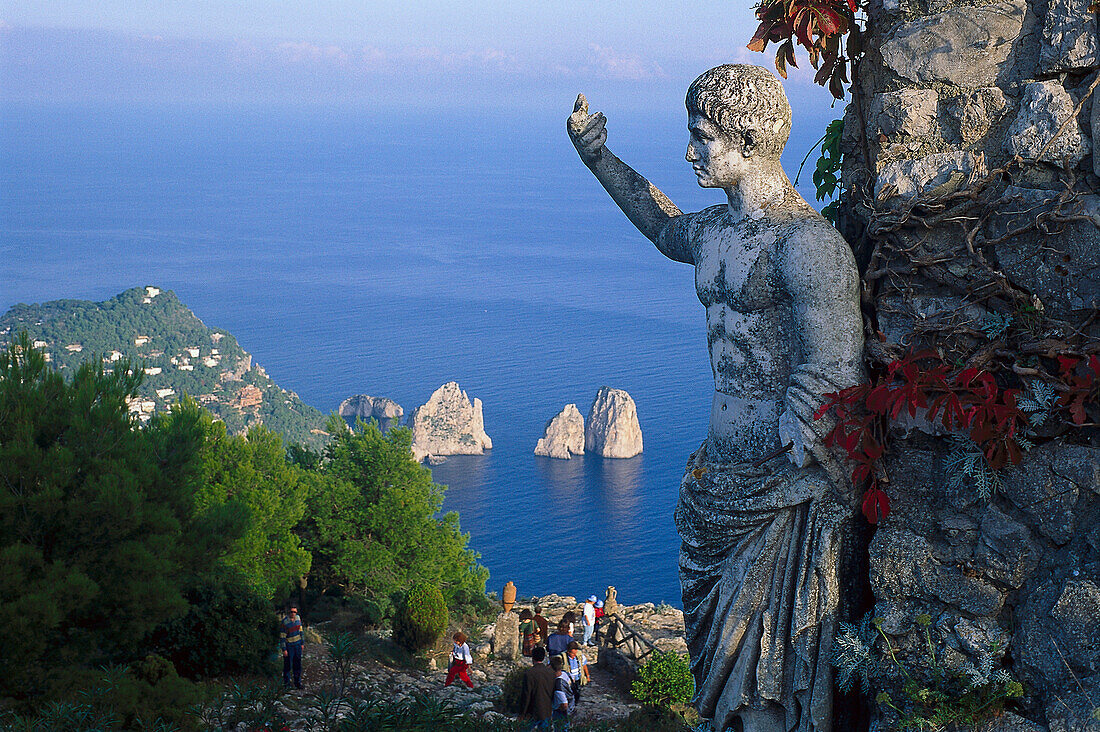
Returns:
(151, 329)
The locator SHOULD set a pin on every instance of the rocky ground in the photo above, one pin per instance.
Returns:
(605, 698)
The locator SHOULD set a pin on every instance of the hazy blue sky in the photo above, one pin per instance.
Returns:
(508, 52)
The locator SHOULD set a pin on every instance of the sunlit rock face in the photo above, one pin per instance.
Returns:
(613, 430)
(448, 424)
(564, 435)
(366, 407)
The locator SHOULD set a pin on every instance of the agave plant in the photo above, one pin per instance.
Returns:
(343, 650)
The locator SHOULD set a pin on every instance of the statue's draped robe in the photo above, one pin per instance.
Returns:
(758, 569)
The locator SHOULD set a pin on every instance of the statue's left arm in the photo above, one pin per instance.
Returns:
(820, 277)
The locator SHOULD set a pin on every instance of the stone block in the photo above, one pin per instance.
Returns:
(1044, 496)
(1064, 270)
(966, 46)
(1007, 552)
(976, 112)
(1058, 639)
(902, 565)
(1044, 107)
(1069, 37)
(1009, 722)
(898, 316)
(1074, 710)
(506, 644)
(1075, 612)
(1079, 464)
(979, 637)
(1092, 538)
(938, 173)
(1095, 124)
(969, 594)
(910, 112)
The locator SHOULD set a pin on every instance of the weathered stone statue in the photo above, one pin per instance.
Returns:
(759, 526)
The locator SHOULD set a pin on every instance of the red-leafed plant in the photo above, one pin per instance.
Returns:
(819, 26)
(1083, 381)
(876, 505)
(970, 402)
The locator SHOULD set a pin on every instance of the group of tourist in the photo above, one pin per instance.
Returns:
(552, 688)
(559, 668)
(535, 629)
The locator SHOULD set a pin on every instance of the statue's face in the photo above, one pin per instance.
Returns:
(715, 156)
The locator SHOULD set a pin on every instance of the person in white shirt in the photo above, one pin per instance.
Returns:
(588, 619)
(461, 659)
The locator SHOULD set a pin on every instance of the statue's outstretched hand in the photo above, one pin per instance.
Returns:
(586, 131)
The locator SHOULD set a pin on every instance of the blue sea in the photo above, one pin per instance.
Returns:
(373, 252)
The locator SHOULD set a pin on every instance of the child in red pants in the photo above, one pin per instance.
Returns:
(460, 660)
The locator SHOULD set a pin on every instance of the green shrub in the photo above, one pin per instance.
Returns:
(421, 617)
(654, 719)
(229, 630)
(257, 706)
(511, 691)
(374, 525)
(663, 680)
(373, 611)
(419, 713)
(149, 696)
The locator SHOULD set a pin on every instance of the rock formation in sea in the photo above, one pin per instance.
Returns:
(367, 407)
(612, 428)
(448, 424)
(564, 435)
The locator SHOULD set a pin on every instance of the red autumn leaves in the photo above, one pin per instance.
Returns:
(970, 401)
(818, 26)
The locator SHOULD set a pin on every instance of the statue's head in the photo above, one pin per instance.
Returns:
(735, 112)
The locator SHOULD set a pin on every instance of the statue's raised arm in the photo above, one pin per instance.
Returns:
(641, 201)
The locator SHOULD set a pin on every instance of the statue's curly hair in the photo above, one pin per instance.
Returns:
(744, 100)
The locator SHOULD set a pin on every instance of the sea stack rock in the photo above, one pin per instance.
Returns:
(448, 424)
(362, 406)
(612, 429)
(564, 435)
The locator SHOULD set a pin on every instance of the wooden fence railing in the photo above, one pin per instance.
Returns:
(618, 634)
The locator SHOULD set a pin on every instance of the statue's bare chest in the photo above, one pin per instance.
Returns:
(735, 267)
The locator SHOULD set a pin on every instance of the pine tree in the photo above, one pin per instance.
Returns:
(373, 523)
(91, 525)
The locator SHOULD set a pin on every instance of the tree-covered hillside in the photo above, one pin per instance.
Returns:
(143, 568)
(178, 353)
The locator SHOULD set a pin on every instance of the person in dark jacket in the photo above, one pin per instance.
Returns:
(537, 697)
(543, 623)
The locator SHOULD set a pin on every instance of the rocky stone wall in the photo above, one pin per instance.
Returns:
(1011, 583)
(972, 199)
(949, 92)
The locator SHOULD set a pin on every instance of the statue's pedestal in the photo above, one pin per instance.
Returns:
(506, 638)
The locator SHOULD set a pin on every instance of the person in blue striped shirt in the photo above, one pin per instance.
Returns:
(290, 639)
